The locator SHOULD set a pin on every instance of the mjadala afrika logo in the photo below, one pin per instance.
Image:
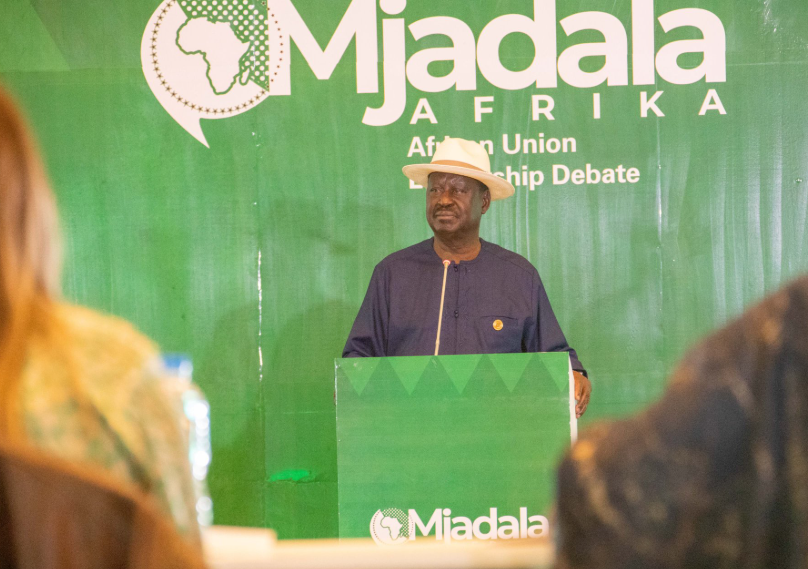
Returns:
(392, 526)
(214, 59)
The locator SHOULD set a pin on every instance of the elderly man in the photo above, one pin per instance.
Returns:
(493, 299)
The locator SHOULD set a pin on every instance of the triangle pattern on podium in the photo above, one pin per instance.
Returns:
(559, 370)
(435, 382)
(485, 382)
(358, 371)
(510, 367)
(384, 384)
(460, 369)
(538, 381)
(409, 369)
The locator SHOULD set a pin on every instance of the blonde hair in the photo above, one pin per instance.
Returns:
(29, 255)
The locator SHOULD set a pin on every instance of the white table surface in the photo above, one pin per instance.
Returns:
(252, 548)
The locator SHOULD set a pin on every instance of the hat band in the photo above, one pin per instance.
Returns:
(457, 163)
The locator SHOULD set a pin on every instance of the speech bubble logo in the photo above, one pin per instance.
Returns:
(213, 59)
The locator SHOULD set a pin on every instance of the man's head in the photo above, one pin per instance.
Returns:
(455, 204)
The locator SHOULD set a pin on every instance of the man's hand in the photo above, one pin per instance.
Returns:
(583, 389)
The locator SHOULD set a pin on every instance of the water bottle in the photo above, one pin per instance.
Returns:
(194, 414)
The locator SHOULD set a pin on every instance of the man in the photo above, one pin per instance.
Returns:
(493, 301)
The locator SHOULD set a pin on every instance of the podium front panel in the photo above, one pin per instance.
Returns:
(455, 447)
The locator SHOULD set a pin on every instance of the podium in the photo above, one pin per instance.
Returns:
(451, 447)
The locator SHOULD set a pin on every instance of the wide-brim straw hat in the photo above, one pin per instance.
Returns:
(463, 157)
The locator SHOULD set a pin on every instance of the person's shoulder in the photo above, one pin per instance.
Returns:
(415, 252)
(116, 367)
(509, 258)
(102, 361)
(109, 353)
(105, 336)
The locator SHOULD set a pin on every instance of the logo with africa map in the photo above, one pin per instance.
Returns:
(390, 527)
(212, 59)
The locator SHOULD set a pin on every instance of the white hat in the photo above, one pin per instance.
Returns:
(463, 157)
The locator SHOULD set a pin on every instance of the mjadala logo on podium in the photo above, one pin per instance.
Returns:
(392, 526)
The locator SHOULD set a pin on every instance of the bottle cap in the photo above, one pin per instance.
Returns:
(178, 364)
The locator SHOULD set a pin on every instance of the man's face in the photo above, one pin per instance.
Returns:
(455, 204)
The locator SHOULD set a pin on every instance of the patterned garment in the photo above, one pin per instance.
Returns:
(96, 398)
(714, 475)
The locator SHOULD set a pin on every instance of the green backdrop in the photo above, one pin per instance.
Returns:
(253, 254)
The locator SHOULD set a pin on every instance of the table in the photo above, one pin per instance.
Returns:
(254, 548)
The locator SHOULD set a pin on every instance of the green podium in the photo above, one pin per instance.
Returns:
(451, 447)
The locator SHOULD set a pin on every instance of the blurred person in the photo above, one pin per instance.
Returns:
(73, 382)
(56, 514)
(715, 474)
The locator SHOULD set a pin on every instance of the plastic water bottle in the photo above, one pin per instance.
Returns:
(194, 414)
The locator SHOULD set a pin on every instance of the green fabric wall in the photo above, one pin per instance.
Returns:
(253, 254)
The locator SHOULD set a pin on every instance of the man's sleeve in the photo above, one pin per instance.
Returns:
(549, 337)
(368, 337)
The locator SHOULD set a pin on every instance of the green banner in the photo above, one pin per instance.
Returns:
(229, 173)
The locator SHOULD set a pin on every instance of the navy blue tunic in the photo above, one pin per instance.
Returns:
(399, 316)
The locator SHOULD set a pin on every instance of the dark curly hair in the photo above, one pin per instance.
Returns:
(714, 475)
